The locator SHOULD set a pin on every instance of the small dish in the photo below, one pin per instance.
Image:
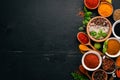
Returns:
(105, 9)
(99, 75)
(108, 65)
(91, 60)
(117, 52)
(116, 14)
(99, 29)
(115, 29)
(92, 4)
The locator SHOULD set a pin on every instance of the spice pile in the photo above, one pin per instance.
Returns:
(91, 63)
(98, 27)
(99, 75)
(105, 9)
(113, 47)
(108, 65)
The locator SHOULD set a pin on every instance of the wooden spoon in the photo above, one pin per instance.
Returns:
(88, 42)
(83, 47)
(84, 71)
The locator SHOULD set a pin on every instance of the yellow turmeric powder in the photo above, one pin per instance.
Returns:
(105, 9)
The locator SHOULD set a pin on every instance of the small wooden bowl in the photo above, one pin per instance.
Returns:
(109, 33)
(90, 7)
(108, 4)
(100, 70)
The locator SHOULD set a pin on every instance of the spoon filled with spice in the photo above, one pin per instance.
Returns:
(83, 47)
(85, 40)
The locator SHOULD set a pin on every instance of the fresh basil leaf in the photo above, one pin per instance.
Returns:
(93, 33)
(87, 18)
(104, 50)
(104, 34)
(98, 36)
(105, 46)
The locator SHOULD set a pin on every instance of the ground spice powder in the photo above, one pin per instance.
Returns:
(92, 3)
(91, 60)
(83, 38)
(105, 9)
(113, 47)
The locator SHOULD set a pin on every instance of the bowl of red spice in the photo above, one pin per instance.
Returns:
(91, 60)
(91, 4)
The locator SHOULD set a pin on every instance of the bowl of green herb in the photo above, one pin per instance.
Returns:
(99, 29)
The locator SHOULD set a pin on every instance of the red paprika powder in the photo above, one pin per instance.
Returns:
(83, 38)
(91, 4)
(91, 60)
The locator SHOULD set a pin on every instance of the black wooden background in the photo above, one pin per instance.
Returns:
(38, 39)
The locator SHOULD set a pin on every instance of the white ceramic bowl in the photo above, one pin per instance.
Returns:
(93, 52)
(118, 21)
(116, 55)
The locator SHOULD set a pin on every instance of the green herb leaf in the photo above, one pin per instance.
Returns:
(78, 77)
(81, 28)
(85, 9)
(106, 43)
(88, 14)
(105, 46)
(85, 22)
(93, 33)
(104, 50)
(104, 34)
(98, 36)
(88, 18)
(100, 32)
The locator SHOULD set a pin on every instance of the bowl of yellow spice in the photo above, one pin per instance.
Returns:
(105, 9)
(113, 47)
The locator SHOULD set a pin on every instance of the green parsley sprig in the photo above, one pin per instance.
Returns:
(87, 17)
(76, 76)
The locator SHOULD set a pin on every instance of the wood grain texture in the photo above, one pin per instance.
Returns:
(38, 39)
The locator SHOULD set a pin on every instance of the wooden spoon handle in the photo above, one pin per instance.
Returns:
(89, 76)
(95, 49)
(92, 46)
